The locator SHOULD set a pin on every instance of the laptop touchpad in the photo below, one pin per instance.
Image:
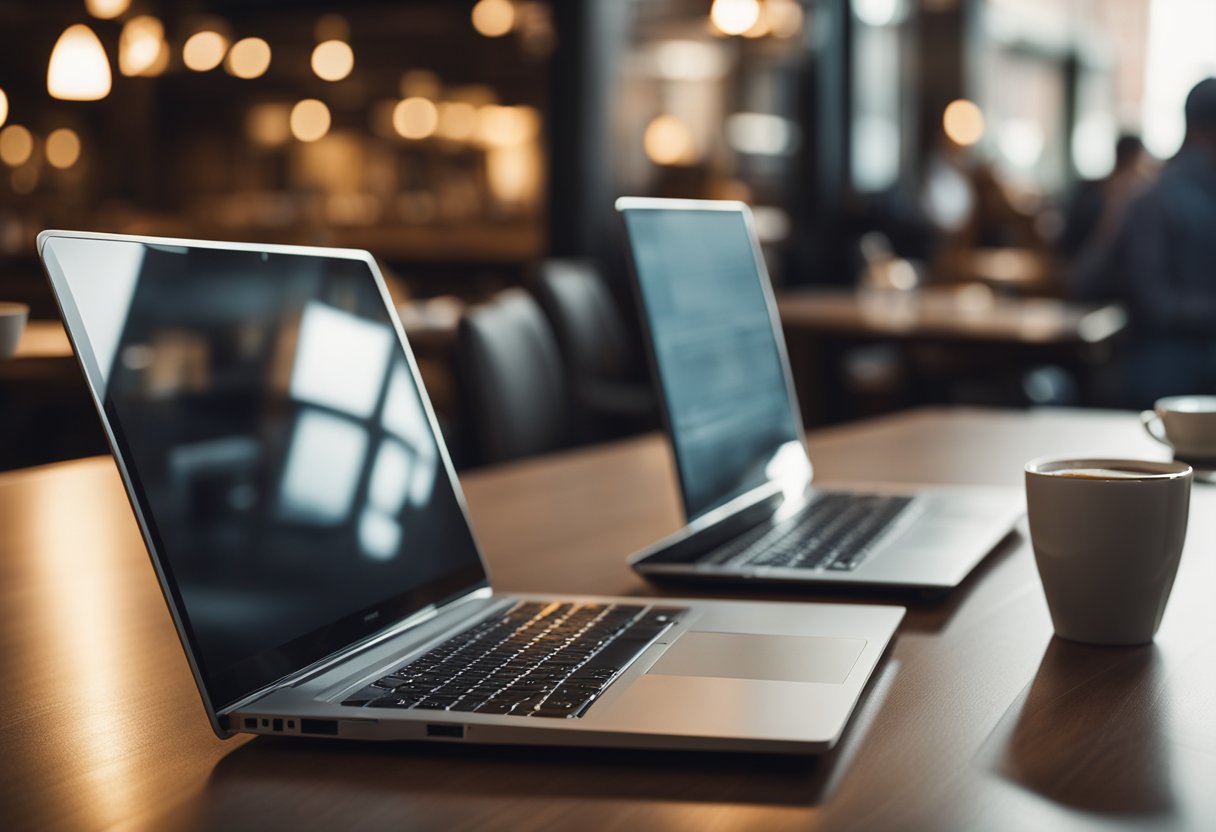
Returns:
(774, 658)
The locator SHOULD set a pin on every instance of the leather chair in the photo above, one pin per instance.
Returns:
(596, 351)
(514, 386)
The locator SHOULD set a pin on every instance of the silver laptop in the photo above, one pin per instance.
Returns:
(745, 478)
(309, 533)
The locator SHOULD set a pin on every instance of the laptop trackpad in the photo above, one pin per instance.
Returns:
(773, 658)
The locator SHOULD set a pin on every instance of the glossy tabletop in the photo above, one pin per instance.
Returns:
(977, 719)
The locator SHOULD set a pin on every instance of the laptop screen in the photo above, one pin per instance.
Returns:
(278, 448)
(722, 372)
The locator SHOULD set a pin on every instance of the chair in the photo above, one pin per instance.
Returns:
(516, 398)
(596, 351)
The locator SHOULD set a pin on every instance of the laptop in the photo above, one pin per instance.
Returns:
(730, 412)
(309, 534)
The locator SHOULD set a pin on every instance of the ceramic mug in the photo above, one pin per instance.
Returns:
(1187, 424)
(1107, 537)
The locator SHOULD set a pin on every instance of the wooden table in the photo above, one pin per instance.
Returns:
(940, 337)
(978, 718)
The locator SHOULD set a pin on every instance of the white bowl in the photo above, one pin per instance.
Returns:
(12, 321)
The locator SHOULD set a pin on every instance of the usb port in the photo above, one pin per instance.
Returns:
(453, 731)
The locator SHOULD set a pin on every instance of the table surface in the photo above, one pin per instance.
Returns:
(977, 719)
(970, 313)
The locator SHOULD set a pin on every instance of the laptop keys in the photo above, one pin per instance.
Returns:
(833, 532)
(548, 660)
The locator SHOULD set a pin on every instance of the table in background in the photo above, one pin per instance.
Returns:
(977, 719)
(968, 330)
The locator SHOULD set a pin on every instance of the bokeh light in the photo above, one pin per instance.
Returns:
(141, 47)
(493, 18)
(963, 122)
(734, 17)
(668, 141)
(16, 145)
(204, 51)
(333, 60)
(62, 148)
(106, 9)
(310, 120)
(248, 58)
(416, 118)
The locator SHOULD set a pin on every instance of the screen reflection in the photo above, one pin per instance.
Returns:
(714, 344)
(270, 420)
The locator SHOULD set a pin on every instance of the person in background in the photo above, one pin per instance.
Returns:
(1098, 205)
(1161, 263)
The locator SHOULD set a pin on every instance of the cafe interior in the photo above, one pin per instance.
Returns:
(919, 173)
(928, 182)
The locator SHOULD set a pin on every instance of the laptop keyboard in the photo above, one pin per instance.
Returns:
(536, 659)
(834, 532)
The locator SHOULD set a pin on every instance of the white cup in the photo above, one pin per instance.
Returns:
(12, 321)
(1107, 537)
(1187, 424)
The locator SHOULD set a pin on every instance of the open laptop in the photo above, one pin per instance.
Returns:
(730, 411)
(309, 534)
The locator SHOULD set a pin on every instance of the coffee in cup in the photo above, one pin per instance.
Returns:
(1187, 424)
(1107, 537)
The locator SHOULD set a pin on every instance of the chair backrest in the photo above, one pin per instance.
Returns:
(585, 320)
(517, 401)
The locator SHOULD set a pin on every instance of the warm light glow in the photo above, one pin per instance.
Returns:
(3, 107)
(62, 148)
(734, 17)
(415, 118)
(140, 46)
(493, 18)
(268, 125)
(513, 174)
(331, 27)
(79, 70)
(333, 60)
(16, 145)
(963, 122)
(457, 120)
(204, 51)
(507, 126)
(760, 28)
(248, 58)
(309, 120)
(784, 16)
(668, 141)
(106, 9)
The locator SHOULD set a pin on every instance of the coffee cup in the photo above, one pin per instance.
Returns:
(12, 322)
(1107, 537)
(1187, 424)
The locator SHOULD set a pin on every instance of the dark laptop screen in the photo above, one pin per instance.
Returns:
(723, 375)
(272, 427)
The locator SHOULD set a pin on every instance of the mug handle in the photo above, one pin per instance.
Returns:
(1152, 424)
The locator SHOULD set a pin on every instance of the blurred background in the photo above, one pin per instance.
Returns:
(928, 178)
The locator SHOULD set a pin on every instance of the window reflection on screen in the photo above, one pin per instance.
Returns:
(722, 376)
(270, 417)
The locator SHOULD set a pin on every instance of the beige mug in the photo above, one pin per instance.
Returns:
(1107, 537)
(1187, 425)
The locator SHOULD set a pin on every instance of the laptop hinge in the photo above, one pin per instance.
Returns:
(322, 665)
